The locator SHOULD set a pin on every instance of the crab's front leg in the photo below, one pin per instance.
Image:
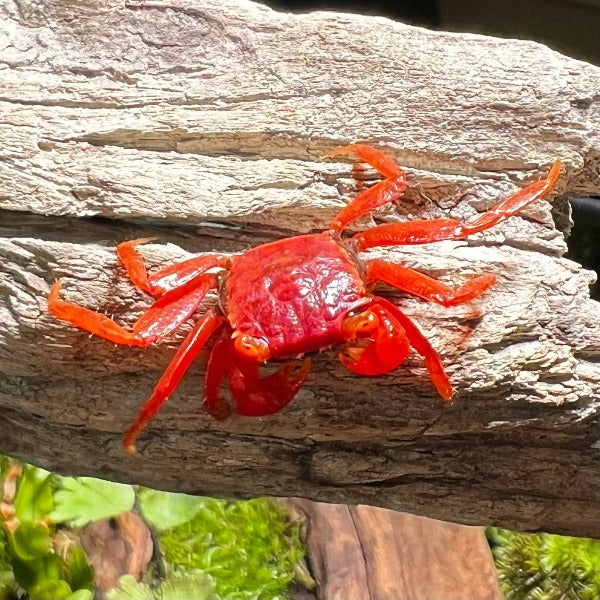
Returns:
(167, 278)
(378, 343)
(195, 340)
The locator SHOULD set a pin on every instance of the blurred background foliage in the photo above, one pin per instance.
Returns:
(546, 567)
(209, 549)
(204, 549)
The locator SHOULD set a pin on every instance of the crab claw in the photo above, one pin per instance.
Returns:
(219, 361)
(255, 396)
(389, 345)
(386, 346)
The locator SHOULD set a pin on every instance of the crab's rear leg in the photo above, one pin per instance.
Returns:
(168, 278)
(426, 231)
(208, 323)
(164, 316)
(418, 284)
(388, 190)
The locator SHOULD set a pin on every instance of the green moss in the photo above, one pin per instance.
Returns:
(250, 548)
(546, 567)
(7, 579)
(4, 560)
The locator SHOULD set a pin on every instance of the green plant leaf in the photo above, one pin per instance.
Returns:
(81, 595)
(130, 588)
(29, 573)
(7, 583)
(34, 495)
(31, 541)
(4, 558)
(250, 548)
(190, 584)
(546, 567)
(165, 510)
(4, 462)
(195, 584)
(76, 570)
(85, 499)
(50, 590)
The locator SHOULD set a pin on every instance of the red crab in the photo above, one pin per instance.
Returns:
(295, 296)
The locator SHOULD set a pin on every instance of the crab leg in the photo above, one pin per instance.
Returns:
(217, 368)
(164, 316)
(421, 344)
(388, 190)
(186, 353)
(255, 396)
(413, 282)
(168, 278)
(426, 231)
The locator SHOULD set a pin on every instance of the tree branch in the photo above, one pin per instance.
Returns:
(203, 123)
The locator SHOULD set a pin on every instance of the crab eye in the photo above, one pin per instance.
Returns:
(251, 347)
(361, 324)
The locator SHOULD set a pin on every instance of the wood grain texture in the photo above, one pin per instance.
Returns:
(368, 553)
(202, 123)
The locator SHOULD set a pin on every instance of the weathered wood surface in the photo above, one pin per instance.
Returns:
(368, 553)
(203, 123)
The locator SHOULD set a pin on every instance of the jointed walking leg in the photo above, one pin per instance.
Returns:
(388, 190)
(426, 231)
(168, 278)
(413, 282)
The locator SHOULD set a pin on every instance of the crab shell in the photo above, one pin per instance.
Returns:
(294, 293)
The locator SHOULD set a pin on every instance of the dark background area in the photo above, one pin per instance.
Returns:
(571, 27)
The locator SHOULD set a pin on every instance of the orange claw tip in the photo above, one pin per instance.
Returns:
(221, 411)
(250, 347)
(129, 441)
(555, 170)
(446, 392)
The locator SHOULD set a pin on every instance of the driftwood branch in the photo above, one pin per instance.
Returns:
(363, 552)
(202, 123)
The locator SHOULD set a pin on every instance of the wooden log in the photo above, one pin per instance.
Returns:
(202, 123)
